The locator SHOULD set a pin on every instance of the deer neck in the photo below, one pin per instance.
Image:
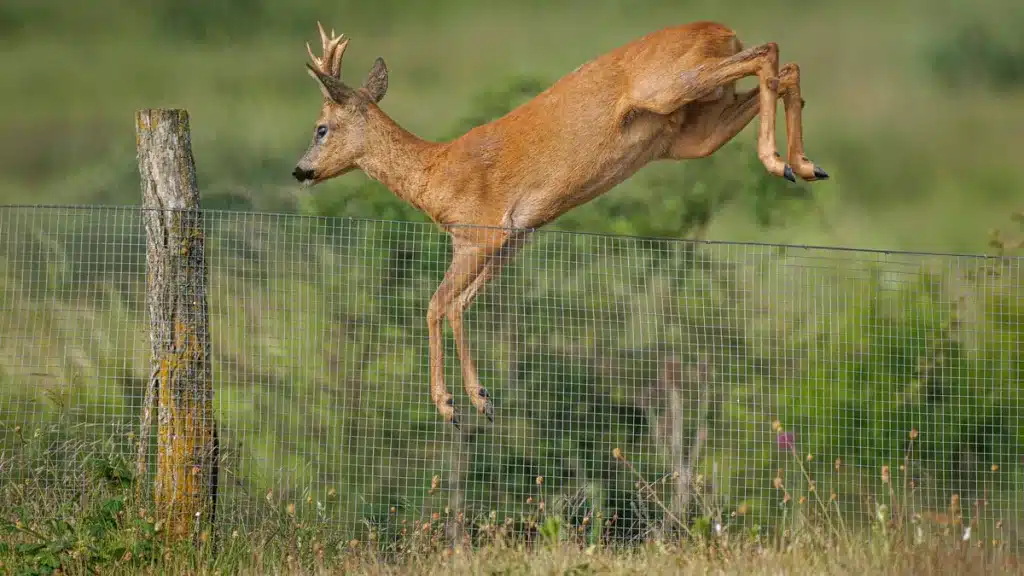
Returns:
(396, 157)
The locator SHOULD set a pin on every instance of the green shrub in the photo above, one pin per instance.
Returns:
(976, 53)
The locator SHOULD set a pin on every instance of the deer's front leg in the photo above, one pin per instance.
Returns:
(478, 395)
(467, 264)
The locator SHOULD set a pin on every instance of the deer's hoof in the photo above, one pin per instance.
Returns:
(819, 173)
(484, 404)
(787, 173)
(446, 408)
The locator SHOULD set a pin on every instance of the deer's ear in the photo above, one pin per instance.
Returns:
(330, 87)
(376, 84)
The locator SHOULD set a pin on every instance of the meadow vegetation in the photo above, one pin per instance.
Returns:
(850, 411)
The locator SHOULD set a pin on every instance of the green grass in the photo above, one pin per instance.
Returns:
(105, 529)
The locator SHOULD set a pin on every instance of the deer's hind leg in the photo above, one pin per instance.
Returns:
(789, 88)
(666, 93)
(714, 124)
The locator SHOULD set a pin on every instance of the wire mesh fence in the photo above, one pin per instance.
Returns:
(640, 387)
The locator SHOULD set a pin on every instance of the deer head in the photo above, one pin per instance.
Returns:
(339, 136)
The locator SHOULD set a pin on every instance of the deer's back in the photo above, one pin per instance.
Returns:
(578, 138)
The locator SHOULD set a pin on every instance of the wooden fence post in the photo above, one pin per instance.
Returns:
(185, 490)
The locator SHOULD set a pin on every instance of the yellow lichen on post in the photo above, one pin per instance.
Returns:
(187, 445)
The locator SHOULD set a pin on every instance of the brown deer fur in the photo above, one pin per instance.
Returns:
(667, 95)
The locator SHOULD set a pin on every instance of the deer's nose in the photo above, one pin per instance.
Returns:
(301, 174)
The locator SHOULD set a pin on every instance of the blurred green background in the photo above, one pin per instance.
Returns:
(915, 108)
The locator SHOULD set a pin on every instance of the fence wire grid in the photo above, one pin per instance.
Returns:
(639, 386)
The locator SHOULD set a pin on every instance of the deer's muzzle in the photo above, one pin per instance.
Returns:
(302, 174)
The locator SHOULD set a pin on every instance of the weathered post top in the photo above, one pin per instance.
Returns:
(164, 143)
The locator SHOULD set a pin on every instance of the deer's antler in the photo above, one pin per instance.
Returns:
(334, 49)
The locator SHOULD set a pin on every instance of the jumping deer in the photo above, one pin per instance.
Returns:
(668, 95)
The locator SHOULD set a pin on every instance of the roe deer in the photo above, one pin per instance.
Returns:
(668, 95)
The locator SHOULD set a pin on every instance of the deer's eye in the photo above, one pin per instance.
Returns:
(321, 131)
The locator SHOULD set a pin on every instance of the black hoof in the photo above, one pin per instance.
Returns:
(455, 422)
(787, 173)
(820, 174)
